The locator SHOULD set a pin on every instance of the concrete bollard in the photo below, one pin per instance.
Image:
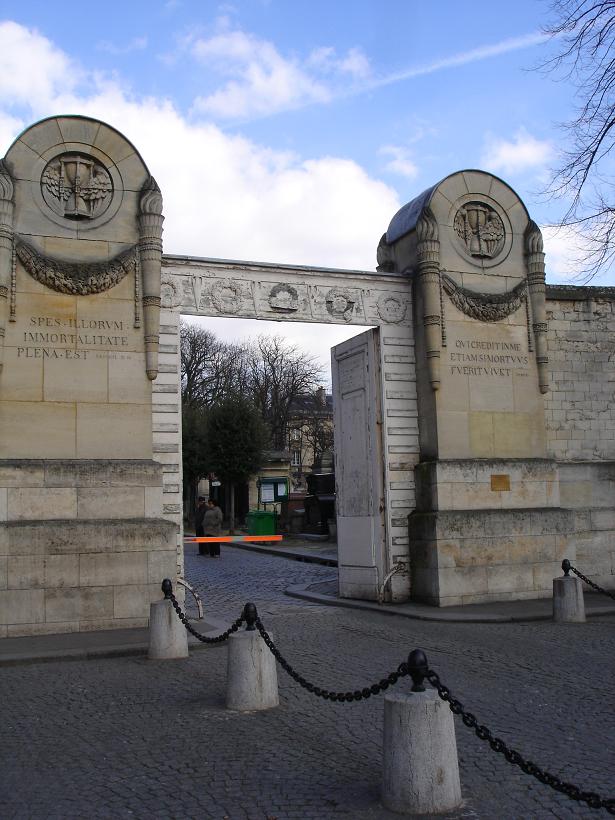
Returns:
(568, 602)
(252, 678)
(167, 635)
(420, 768)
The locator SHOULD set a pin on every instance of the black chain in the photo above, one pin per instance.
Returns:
(218, 639)
(593, 800)
(591, 583)
(358, 694)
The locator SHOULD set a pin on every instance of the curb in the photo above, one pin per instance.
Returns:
(293, 555)
(137, 649)
(422, 612)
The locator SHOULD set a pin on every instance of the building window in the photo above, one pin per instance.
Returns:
(296, 435)
(296, 458)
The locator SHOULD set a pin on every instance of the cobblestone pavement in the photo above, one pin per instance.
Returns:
(131, 738)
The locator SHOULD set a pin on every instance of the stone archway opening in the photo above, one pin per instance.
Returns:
(301, 431)
(383, 402)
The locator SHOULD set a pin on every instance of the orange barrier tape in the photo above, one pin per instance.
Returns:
(225, 539)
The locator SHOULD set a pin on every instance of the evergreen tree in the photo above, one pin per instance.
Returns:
(234, 442)
(194, 461)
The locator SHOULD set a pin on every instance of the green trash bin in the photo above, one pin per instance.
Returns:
(261, 522)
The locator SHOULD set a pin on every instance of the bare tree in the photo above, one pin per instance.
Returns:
(210, 368)
(277, 372)
(585, 33)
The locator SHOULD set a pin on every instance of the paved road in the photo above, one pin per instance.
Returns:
(128, 738)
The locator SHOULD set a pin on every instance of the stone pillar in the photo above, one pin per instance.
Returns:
(252, 679)
(168, 638)
(568, 602)
(6, 250)
(150, 254)
(428, 273)
(536, 287)
(79, 207)
(420, 769)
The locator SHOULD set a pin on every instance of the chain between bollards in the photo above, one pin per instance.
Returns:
(167, 588)
(567, 567)
(326, 694)
(593, 800)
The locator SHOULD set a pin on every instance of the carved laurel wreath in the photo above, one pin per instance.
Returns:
(486, 307)
(81, 278)
(226, 296)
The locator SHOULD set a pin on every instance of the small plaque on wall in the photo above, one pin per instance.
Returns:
(500, 482)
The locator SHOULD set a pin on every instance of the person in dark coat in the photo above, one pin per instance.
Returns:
(212, 524)
(199, 515)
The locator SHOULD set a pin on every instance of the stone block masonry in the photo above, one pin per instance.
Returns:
(65, 565)
(579, 408)
(83, 541)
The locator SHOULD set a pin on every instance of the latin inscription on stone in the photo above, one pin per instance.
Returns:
(50, 337)
(489, 359)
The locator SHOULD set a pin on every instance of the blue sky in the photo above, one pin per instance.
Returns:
(291, 132)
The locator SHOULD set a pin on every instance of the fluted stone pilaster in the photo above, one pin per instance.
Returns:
(536, 286)
(150, 253)
(6, 249)
(428, 252)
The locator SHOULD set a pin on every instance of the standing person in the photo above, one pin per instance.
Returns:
(212, 523)
(199, 515)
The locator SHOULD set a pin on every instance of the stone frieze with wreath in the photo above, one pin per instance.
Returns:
(80, 278)
(486, 307)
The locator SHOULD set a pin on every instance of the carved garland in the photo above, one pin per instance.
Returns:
(486, 307)
(76, 277)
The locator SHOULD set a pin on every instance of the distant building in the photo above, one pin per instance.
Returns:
(310, 433)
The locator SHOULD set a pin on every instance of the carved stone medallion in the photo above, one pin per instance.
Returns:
(284, 298)
(170, 292)
(340, 303)
(479, 230)
(391, 308)
(226, 296)
(76, 186)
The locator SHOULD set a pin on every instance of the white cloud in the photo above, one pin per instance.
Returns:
(563, 249)
(225, 196)
(263, 81)
(519, 154)
(355, 63)
(32, 69)
(326, 60)
(463, 58)
(400, 161)
(136, 44)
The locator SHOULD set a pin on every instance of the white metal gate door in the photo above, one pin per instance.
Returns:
(361, 528)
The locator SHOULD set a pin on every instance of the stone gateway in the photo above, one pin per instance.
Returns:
(475, 429)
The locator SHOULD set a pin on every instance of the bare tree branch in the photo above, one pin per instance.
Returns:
(278, 372)
(585, 32)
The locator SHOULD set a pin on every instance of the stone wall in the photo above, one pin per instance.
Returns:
(579, 407)
(580, 419)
